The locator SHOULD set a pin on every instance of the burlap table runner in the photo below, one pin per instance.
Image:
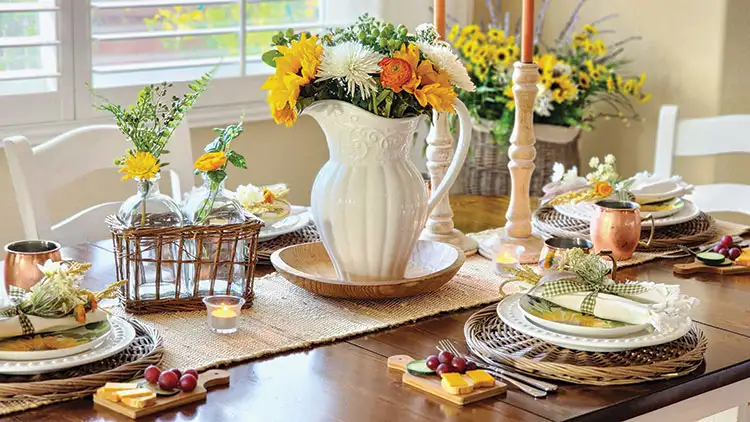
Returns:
(286, 317)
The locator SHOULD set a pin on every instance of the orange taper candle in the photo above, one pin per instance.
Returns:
(439, 17)
(527, 33)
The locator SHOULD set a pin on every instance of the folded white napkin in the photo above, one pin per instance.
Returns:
(662, 305)
(11, 327)
(645, 183)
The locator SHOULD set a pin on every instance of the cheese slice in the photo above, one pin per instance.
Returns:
(131, 394)
(119, 386)
(140, 402)
(481, 378)
(455, 384)
(107, 395)
(744, 258)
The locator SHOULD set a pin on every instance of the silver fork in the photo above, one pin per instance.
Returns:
(545, 386)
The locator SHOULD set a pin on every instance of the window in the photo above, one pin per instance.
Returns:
(52, 51)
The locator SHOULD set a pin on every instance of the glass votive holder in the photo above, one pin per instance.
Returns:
(223, 313)
(507, 256)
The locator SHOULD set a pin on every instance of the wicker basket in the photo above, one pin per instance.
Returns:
(165, 272)
(486, 171)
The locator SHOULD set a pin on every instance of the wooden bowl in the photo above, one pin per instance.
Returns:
(308, 266)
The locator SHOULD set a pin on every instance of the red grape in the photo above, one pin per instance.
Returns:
(718, 247)
(471, 366)
(151, 374)
(727, 240)
(432, 362)
(168, 380)
(444, 368)
(445, 357)
(734, 253)
(176, 372)
(188, 383)
(459, 364)
(192, 372)
(724, 251)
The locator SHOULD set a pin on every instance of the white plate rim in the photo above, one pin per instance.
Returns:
(666, 213)
(301, 213)
(581, 330)
(58, 353)
(112, 345)
(679, 190)
(509, 312)
(688, 212)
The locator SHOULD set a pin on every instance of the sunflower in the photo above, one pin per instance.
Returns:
(469, 48)
(139, 165)
(628, 88)
(454, 33)
(496, 35)
(601, 48)
(596, 71)
(562, 89)
(591, 29)
(584, 80)
(611, 87)
(480, 55)
(469, 30)
(481, 71)
(501, 56)
(580, 40)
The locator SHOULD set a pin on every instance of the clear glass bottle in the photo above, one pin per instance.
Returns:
(150, 208)
(212, 204)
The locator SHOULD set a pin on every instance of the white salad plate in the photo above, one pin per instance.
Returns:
(119, 338)
(648, 198)
(93, 337)
(585, 211)
(512, 315)
(597, 328)
(298, 218)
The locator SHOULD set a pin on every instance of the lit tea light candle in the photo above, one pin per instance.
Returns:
(508, 256)
(223, 313)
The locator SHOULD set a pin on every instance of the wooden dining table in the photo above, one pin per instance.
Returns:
(348, 380)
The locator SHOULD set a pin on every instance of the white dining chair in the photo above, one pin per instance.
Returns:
(677, 137)
(36, 171)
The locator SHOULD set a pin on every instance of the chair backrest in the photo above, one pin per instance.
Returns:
(677, 137)
(37, 171)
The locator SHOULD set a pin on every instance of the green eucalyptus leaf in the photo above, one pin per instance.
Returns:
(215, 146)
(216, 176)
(269, 57)
(236, 159)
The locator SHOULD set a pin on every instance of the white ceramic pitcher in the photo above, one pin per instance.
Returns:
(369, 201)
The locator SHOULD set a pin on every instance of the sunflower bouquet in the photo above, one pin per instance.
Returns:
(374, 65)
(580, 78)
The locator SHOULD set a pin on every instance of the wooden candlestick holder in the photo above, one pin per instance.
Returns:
(518, 229)
(439, 154)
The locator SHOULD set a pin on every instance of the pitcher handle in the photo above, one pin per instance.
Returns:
(462, 149)
(611, 256)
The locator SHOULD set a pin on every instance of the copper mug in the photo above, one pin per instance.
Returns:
(555, 247)
(616, 227)
(22, 258)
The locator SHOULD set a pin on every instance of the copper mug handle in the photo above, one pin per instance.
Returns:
(611, 256)
(651, 236)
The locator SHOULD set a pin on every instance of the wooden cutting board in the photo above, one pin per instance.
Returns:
(699, 267)
(206, 380)
(431, 384)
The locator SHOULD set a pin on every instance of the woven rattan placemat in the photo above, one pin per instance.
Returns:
(307, 234)
(286, 317)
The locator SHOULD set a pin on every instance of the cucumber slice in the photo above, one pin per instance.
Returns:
(711, 258)
(155, 388)
(419, 367)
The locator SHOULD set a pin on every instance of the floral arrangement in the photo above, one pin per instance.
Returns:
(374, 65)
(599, 184)
(213, 164)
(59, 293)
(576, 74)
(265, 201)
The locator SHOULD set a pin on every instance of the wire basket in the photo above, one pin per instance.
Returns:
(173, 268)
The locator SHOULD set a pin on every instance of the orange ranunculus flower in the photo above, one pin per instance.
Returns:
(268, 196)
(211, 161)
(394, 73)
(603, 189)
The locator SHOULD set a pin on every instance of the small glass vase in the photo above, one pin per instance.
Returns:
(150, 208)
(212, 204)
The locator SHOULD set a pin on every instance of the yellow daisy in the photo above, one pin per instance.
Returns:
(141, 165)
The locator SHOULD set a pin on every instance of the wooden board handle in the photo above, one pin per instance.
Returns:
(213, 378)
(399, 362)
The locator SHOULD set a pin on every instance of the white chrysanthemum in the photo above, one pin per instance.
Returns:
(594, 162)
(448, 63)
(558, 171)
(353, 63)
(543, 105)
(609, 159)
(248, 195)
(571, 175)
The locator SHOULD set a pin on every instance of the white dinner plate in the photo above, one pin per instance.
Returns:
(556, 318)
(585, 211)
(298, 218)
(119, 339)
(663, 209)
(648, 198)
(56, 344)
(512, 315)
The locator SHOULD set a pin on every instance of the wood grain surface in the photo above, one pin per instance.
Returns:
(348, 380)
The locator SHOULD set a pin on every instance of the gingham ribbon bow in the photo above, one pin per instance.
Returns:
(567, 285)
(16, 294)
